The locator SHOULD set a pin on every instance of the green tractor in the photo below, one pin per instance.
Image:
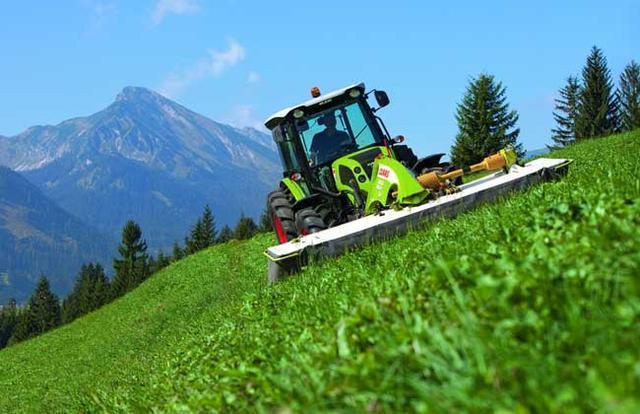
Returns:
(340, 163)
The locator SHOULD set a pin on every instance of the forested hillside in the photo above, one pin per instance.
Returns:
(38, 237)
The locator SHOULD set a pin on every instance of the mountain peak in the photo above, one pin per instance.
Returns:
(130, 93)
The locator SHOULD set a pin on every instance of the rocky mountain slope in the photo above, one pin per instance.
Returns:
(150, 159)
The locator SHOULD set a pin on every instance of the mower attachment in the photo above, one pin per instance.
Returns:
(288, 258)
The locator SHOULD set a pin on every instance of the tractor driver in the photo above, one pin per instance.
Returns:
(328, 142)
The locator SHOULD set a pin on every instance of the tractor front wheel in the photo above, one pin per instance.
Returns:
(282, 217)
(309, 221)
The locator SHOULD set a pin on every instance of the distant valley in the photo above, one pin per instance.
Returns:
(37, 236)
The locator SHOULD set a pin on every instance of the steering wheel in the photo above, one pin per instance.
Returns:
(347, 146)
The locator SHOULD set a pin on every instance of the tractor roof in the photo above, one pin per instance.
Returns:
(276, 118)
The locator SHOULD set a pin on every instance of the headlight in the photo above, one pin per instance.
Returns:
(355, 92)
(298, 113)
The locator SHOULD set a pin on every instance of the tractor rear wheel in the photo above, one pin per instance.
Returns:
(282, 217)
(309, 221)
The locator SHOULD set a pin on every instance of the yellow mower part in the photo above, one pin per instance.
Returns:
(503, 159)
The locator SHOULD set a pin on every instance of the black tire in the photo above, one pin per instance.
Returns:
(282, 217)
(309, 221)
(327, 214)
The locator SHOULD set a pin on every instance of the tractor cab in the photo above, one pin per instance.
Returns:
(312, 136)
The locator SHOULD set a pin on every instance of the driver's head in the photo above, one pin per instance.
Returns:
(329, 120)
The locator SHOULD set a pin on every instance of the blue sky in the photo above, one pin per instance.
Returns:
(238, 61)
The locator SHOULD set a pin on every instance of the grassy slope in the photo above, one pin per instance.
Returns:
(532, 302)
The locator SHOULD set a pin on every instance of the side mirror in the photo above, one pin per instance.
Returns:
(381, 98)
(399, 139)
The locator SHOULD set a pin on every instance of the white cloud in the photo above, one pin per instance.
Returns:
(242, 116)
(99, 11)
(163, 8)
(216, 63)
(253, 77)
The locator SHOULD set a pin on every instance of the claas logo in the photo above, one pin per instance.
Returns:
(383, 172)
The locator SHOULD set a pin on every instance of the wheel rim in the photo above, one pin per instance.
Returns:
(277, 226)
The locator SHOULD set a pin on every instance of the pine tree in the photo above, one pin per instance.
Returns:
(41, 315)
(566, 113)
(485, 123)
(203, 233)
(152, 264)
(163, 260)
(187, 246)
(208, 237)
(193, 242)
(72, 304)
(597, 106)
(90, 292)
(8, 320)
(177, 253)
(158, 263)
(100, 286)
(629, 96)
(132, 268)
(265, 221)
(245, 229)
(24, 328)
(226, 234)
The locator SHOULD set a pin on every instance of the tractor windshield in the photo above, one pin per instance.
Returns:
(335, 132)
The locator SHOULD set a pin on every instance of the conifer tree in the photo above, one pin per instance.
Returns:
(226, 234)
(72, 304)
(188, 245)
(485, 123)
(8, 320)
(41, 315)
(177, 253)
(131, 268)
(100, 287)
(265, 221)
(152, 264)
(598, 106)
(193, 242)
(208, 237)
(163, 260)
(24, 328)
(629, 96)
(566, 113)
(89, 293)
(203, 233)
(245, 228)
(158, 263)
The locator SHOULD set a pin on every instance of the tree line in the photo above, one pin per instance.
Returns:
(587, 107)
(93, 288)
(590, 106)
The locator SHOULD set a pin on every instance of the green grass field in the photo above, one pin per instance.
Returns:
(531, 304)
